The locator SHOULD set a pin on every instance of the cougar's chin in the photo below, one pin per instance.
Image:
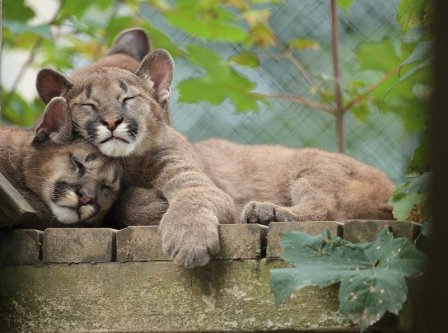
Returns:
(115, 147)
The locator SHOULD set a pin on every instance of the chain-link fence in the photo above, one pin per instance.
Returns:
(381, 140)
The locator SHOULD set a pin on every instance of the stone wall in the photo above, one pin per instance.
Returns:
(104, 280)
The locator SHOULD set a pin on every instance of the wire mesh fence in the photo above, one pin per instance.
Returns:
(380, 140)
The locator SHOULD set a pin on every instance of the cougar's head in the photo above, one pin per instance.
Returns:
(118, 111)
(73, 178)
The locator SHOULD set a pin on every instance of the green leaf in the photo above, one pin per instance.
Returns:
(372, 275)
(245, 58)
(16, 10)
(361, 112)
(380, 56)
(421, 52)
(206, 19)
(345, 4)
(303, 44)
(220, 82)
(18, 111)
(412, 193)
(410, 13)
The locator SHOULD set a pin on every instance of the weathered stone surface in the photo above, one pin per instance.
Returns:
(18, 247)
(367, 231)
(238, 241)
(274, 249)
(140, 244)
(230, 296)
(77, 245)
(241, 241)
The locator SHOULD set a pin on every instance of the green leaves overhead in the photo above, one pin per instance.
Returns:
(412, 13)
(371, 275)
(16, 10)
(245, 58)
(221, 81)
(205, 19)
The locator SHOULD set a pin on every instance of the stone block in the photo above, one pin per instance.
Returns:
(368, 230)
(140, 243)
(20, 247)
(241, 241)
(78, 245)
(274, 249)
(144, 243)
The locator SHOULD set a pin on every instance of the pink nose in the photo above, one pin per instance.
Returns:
(113, 123)
(84, 199)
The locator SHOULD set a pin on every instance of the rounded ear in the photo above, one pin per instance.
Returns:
(157, 67)
(55, 124)
(50, 83)
(132, 42)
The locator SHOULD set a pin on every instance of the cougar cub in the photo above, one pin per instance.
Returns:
(65, 182)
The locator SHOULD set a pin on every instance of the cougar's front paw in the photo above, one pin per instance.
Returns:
(265, 213)
(192, 240)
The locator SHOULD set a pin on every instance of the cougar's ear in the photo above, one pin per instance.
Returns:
(132, 42)
(51, 83)
(157, 67)
(55, 124)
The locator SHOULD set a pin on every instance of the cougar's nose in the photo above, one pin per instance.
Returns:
(112, 123)
(83, 198)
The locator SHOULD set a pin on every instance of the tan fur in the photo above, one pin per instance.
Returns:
(38, 167)
(200, 183)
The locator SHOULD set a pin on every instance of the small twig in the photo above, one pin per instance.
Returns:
(37, 44)
(337, 76)
(370, 89)
(296, 62)
(302, 101)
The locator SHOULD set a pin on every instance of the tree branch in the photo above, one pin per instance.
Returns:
(337, 76)
(302, 101)
(370, 89)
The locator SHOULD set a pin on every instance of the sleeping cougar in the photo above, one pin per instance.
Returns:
(65, 182)
(122, 114)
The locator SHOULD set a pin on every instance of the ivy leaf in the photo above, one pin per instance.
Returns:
(221, 81)
(361, 112)
(371, 275)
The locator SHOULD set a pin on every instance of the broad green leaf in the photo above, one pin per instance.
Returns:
(380, 56)
(220, 81)
(361, 112)
(162, 41)
(206, 20)
(420, 162)
(410, 13)
(79, 7)
(344, 4)
(421, 53)
(371, 275)
(410, 195)
(245, 58)
(16, 10)
(303, 44)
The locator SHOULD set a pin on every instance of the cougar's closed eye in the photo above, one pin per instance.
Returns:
(90, 105)
(79, 166)
(128, 98)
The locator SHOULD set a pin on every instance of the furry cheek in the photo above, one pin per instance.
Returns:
(64, 215)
